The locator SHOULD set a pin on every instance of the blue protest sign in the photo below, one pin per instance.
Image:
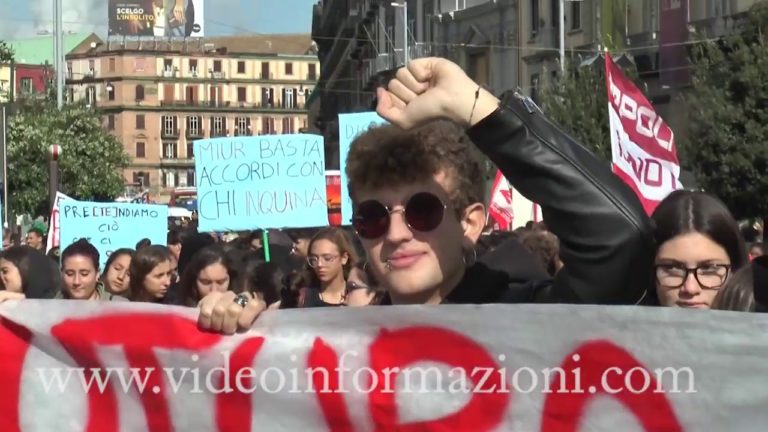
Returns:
(111, 226)
(271, 181)
(350, 126)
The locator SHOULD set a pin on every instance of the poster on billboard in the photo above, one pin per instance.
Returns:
(157, 18)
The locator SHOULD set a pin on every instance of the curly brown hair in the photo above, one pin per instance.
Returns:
(387, 156)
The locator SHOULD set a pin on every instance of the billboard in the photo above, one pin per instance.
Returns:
(158, 18)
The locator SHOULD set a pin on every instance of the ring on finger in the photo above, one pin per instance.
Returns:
(241, 300)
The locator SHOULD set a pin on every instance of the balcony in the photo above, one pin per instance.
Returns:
(195, 133)
(226, 105)
(170, 133)
(247, 131)
(217, 75)
(267, 76)
(219, 133)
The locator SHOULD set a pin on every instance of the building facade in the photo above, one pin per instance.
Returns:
(159, 97)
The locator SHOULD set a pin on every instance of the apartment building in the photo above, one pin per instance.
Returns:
(158, 97)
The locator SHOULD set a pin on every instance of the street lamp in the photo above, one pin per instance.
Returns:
(404, 5)
(54, 152)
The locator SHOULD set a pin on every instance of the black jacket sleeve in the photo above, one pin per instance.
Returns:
(605, 236)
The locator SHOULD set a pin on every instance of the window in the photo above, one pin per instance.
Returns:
(242, 126)
(218, 126)
(289, 68)
(110, 91)
(312, 75)
(267, 125)
(111, 122)
(264, 70)
(170, 127)
(193, 126)
(241, 67)
(288, 125)
(112, 64)
(139, 64)
(139, 92)
(26, 85)
(170, 179)
(140, 150)
(241, 93)
(141, 178)
(190, 150)
(267, 96)
(190, 177)
(534, 17)
(217, 66)
(140, 121)
(90, 96)
(575, 15)
(170, 150)
(535, 87)
(289, 98)
(69, 70)
(167, 65)
(193, 67)
(91, 67)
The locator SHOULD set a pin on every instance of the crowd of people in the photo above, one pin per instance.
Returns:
(419, 233)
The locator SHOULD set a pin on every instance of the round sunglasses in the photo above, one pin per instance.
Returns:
(423, 212)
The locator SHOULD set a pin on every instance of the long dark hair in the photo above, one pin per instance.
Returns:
(115, 255)
(685, 212)
(209, 255)
(142, 263)
(40, 278)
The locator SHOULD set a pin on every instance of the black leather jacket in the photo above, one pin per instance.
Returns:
(606, 240)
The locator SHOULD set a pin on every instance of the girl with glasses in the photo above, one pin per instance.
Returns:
(331, 256)
(699, 247)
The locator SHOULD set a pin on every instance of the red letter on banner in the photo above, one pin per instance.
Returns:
(14, 343)
(563, 411)
(401, 348)
(234, 409)
(138, 334)
(324, 363)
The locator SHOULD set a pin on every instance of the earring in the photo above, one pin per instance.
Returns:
(471, 261)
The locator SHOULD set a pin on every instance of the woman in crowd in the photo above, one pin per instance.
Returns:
(80, 272)
(746, 290)
(150, 272)
(361, 287)
(269, 282)
(210, 270)
(27, 273)
(699, 246)
(115, 277)
(331, 256)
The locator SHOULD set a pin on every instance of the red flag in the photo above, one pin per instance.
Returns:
(500, 207)
(643, 146)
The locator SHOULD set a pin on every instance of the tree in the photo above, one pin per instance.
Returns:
(578, 103)
(727, 147)
(90, 166)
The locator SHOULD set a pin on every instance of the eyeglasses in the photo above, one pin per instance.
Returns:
(315, 260)
(423, 212)
(709, 276)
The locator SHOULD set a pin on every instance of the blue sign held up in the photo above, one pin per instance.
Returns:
(350, 126)
(271, 181)
(111, 226)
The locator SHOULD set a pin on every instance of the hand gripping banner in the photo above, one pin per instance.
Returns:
(82, 366)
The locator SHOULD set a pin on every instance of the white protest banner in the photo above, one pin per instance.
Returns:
(642, 145)
(522, 368)
(269, 181)
(54, 226)
(111, 226)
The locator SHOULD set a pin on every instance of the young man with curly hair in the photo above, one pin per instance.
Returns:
(418, 202)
